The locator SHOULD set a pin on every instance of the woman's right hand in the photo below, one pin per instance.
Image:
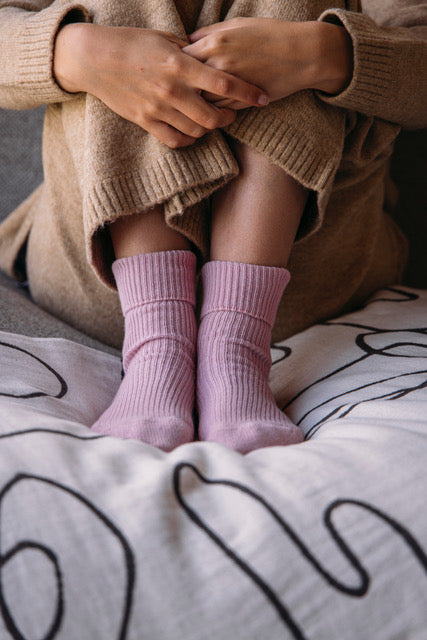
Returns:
(144, 76)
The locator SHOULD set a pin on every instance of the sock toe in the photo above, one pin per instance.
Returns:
(250, 435)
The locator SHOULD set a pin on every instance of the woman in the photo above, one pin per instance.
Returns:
(157, 151)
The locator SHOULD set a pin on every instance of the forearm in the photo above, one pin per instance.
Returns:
(335, 59)
(26, 54)
(74, 52)
(328, 65)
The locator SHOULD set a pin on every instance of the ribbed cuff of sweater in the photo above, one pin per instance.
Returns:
(34, 65)
(244, 288)
(379, 61)
(177, 180)
(300, 144)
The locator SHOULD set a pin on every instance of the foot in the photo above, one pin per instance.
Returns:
(236, 405)
(155, 400)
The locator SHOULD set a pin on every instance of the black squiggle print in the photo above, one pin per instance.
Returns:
(373, 342)
(5, 557)
(344, 410)
(56, 432)
(357, 590)
(394, 394)
(284, 351)
(59, 608)
(361, 342)
(37, 394)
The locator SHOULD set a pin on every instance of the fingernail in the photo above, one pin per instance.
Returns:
(263, 100)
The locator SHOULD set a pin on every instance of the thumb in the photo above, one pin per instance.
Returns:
(205, 31)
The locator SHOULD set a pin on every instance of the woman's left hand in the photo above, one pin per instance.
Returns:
(279, 56)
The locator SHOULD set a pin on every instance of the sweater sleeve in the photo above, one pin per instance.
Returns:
(27, 38)
(390, 66)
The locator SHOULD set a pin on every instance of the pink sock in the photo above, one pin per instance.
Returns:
(155, 400)
(236, 405)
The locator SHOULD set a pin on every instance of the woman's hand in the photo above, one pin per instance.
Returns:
(280, 57)
(145, 77)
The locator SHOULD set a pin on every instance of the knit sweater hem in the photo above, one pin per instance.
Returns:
(178, 180)
(311, 159)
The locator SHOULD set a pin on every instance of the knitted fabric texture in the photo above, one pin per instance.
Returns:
(98, 166)
(155, 400)
(236, 406)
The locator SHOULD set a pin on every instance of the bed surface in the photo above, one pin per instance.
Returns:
(102, 538)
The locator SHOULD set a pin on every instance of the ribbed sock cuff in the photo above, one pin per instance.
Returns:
(246, 288)
(155, 277)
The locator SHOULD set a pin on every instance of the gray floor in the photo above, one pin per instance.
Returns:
(18, 314)
(20, 173)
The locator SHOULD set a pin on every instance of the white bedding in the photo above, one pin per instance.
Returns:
(103, 539)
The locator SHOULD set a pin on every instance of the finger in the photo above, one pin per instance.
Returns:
(197, 50)
(224, 103)
(229, 104)
(169, 136)
(205, 31)
(220, 83)
(181, 122)
(186, 108)
(228, 86)
(206, 115)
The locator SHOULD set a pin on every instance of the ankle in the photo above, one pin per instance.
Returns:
(252, 289)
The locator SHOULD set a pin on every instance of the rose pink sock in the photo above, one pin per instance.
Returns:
(236, 405)
(155, 400)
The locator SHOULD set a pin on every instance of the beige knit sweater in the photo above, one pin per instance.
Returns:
(98, 166)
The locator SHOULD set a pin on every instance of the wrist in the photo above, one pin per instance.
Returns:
(335, 68)
(69, 54)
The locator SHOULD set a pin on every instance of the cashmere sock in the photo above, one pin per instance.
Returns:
(155, 400)
(236, 405)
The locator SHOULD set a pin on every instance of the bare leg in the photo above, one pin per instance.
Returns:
(145, 233)
(256, 216)
(254, 223)
(155, 276)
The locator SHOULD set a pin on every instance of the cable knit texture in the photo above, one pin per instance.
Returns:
(155, 400)
(98, 166)
(235, 403)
